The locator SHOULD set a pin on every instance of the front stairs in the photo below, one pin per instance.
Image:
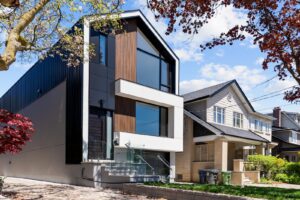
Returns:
(126, 172)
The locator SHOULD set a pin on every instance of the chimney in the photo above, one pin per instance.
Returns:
(277, 115)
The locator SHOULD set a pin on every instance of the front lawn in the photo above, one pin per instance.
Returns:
(249, 191)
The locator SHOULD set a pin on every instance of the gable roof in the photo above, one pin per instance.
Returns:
(290, 119)
(206, 92)
(215, 89)
(220, 130)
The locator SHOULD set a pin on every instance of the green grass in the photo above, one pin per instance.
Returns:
(249, 191)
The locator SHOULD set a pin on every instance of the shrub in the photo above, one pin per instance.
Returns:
(294, 179)
(282, 178)
(268, 164)
(292, 168)
(1, 183)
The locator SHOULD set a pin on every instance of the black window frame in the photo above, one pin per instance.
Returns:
(99, 35)
(171, 78)
(159, 119)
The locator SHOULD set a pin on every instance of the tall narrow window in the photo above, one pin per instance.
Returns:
(100, 45)
(238, 120)
(103, 49)
(219, 115)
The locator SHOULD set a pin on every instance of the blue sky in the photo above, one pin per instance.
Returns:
(240, 61)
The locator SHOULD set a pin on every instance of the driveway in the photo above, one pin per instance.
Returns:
(24, 189)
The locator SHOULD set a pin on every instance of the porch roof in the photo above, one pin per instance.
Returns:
(226, 130)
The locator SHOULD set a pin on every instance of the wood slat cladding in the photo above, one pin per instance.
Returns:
(124, 117)
(126, 52)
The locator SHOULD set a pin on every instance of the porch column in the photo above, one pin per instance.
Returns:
(221, 154)
(260, 149)
(172, 166)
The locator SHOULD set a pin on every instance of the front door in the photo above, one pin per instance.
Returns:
(100, 134)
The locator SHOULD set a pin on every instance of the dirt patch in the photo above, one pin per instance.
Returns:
(22, 189)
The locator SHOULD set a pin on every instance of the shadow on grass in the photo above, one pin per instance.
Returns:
(249, 191)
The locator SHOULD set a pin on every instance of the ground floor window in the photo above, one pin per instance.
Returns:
(204, 152)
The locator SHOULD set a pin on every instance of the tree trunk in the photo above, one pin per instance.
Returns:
(13, 40)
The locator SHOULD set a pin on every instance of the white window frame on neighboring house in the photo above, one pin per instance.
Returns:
(238, 120)
(294, 137)
(218, 111)
(258, 125)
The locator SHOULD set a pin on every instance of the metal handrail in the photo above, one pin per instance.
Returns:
(140, 157)
(152, 168)
(164, 161)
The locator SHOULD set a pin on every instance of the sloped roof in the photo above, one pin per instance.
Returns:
(247, 134)
(206, 92)
(226, 130)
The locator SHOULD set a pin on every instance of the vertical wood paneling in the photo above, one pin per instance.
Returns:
(124, 117)
(126, 53)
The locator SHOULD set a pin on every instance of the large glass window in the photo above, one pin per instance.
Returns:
(100, 42)
(219, 115)
(152, 69)
(151, 120)
(238, 120)
(148, 68)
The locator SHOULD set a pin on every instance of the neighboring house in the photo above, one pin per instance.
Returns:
(286, 132)
(110, 120)
(220, 125)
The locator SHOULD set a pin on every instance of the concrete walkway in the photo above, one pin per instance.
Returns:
(25, 189)
(277, 185)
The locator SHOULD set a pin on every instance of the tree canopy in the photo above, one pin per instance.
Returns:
(274, 26)
(31, 27)
(15, 131)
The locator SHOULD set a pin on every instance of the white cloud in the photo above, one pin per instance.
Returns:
(212, 73)
(189, 55)
(276, 85)
(196, 84)
(259, 61)
(225, 19)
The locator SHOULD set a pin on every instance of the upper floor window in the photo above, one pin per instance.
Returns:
(151, 120)
(219, 115)
(100, 44)
(294, 137)
(258, 125)
(238, 120)
(152, 69)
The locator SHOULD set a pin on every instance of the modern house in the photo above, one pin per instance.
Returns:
(220, 126)
(116, 118)
(286, 132)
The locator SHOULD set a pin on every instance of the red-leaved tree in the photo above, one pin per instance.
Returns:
(15, 131)
(273, 24)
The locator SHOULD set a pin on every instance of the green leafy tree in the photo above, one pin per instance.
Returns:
(31, 27)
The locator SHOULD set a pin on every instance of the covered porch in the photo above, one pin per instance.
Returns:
(213, 146)
(220, 153)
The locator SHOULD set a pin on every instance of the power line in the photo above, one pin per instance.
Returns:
(260, 98)
(272, 93)
(264, 82)
(283, 105)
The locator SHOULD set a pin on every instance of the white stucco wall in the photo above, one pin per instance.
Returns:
(44, 157)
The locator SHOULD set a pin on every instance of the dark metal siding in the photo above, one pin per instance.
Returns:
(41, 78)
